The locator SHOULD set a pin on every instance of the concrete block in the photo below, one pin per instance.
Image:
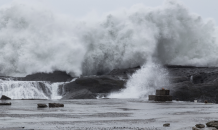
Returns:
(162, 92)
(163, 98)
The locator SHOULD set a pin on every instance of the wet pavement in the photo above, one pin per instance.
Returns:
(107, 114)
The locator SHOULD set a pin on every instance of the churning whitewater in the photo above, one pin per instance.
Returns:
(34, 39)
(30, 89)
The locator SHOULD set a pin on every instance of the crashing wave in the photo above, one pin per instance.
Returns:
(36, 40)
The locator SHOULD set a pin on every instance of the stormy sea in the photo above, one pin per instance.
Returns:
(104, 69)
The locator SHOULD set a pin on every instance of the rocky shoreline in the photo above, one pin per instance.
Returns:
(188, 83)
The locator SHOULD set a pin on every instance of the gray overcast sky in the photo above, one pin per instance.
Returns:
(79, 8)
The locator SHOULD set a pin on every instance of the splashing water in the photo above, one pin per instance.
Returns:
(29, 90)
(121, 39)
(54, 87)
(144, 82)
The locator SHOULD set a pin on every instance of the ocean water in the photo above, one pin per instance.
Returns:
(107, 114)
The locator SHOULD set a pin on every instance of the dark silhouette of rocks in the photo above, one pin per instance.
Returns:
(4, 103)
(5, 98)
(79, 94)
(56, 76)
(195, 128)
(166, 125)
(42, 105)
(123, 73)
(200, 125)
(194, 83)
(90, 87)
(55, 105)
(212, 124)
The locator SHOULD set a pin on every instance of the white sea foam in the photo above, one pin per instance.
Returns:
(29, 89)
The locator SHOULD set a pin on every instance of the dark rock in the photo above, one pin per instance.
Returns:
(196, 79)
(189, 83)
(186, 91)
(212, 124)
(123, 73)
(55, 105)
(5, 98)
(181, 66)
(33, 99)
(90, 87)
(194, 128)
(178, 79)
(200, 125)
(166, 125)
(42, 105)
(5, 103)
(80, 94)
(56, 76)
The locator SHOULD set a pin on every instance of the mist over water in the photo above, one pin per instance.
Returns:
(34, 39)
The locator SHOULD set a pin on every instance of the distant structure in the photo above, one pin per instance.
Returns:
(161, 95)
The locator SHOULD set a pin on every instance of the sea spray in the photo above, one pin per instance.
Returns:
(144, 82)
(30, 89)
(54, 88)
(34, 39)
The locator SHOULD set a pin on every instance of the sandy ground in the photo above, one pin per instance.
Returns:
(107, 114)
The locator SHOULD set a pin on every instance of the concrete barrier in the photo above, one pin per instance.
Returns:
(161, 95)
(162, 92)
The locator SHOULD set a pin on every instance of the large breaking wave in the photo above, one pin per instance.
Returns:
(37, 40)
(144, 82)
